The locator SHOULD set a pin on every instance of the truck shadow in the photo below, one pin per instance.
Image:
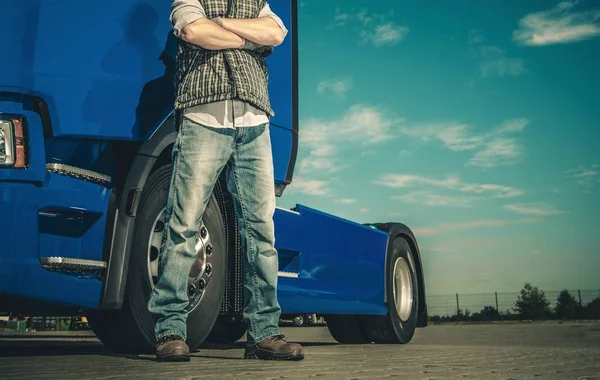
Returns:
(116, 97)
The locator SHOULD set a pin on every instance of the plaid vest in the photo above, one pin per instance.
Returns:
(206, 76)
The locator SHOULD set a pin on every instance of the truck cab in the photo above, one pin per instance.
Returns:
(86, 131)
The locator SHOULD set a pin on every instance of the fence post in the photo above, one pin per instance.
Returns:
(457, 307)
(496, 294)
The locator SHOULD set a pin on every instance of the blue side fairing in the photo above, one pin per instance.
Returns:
(340, 264)
(25, 240)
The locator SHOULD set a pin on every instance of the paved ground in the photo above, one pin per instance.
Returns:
(502, 351)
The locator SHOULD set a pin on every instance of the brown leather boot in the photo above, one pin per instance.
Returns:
(275, 348)
(172, 349)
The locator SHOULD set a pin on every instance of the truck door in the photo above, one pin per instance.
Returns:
(283, 88)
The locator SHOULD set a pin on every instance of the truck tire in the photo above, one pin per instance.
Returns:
(399, 325)
(227, 331)
(131, 329)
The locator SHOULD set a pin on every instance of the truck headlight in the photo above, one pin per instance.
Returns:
(12, 144)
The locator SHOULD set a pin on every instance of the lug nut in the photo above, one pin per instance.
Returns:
(191, 290)
(208, 269)
(202, 284)
(209, 249)
(203, 232)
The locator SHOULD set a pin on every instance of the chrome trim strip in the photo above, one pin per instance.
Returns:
(288, 210)
(66, 261)
(74, 267)
(83, 174)
(287, 274)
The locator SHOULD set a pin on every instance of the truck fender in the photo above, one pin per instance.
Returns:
(400, 230)
(123, 210)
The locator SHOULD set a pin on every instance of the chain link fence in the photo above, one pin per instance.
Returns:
(449, 304)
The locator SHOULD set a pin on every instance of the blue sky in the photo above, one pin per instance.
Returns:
(476, 123)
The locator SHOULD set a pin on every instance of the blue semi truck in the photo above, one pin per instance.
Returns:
(86, 131)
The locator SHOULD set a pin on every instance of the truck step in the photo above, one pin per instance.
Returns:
(74, 267)
(83, 174)
(287, 274)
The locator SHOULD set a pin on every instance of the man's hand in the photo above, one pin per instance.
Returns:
(262, 30)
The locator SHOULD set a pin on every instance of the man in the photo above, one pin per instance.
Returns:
(222, 95)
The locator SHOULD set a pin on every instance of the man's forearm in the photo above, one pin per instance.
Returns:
(208, 35)
(262, 30)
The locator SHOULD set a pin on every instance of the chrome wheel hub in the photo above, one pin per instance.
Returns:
(403, 290)
(201, 270)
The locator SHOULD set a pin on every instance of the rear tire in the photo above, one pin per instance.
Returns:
(346, 329)
(131, 329)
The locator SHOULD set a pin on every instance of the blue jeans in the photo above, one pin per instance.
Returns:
(199, 156)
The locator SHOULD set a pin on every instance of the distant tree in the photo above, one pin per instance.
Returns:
(566, 306)
(489, 313)
(592, 309)
(508, 315)
(531, 303)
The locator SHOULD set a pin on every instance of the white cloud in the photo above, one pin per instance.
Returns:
(428, 198)
(534, 208)
(340, 18)
(492, 149)
(405, 153)
(587, 177)
(559, 25)
(369, 153)
(498, 151)
(345, 201)
(494, 61)
(335, 86)
(463, 245)
(363, 126)
(512, 125)
(454, 136)
(470, 225)
(373, 28)
(385, 34)
(450, 182)
(310, 187)
(315, 163)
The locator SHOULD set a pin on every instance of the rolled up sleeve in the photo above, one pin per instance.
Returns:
(267, 12)
(184, 12)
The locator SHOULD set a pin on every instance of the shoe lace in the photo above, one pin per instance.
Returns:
(168, 338)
